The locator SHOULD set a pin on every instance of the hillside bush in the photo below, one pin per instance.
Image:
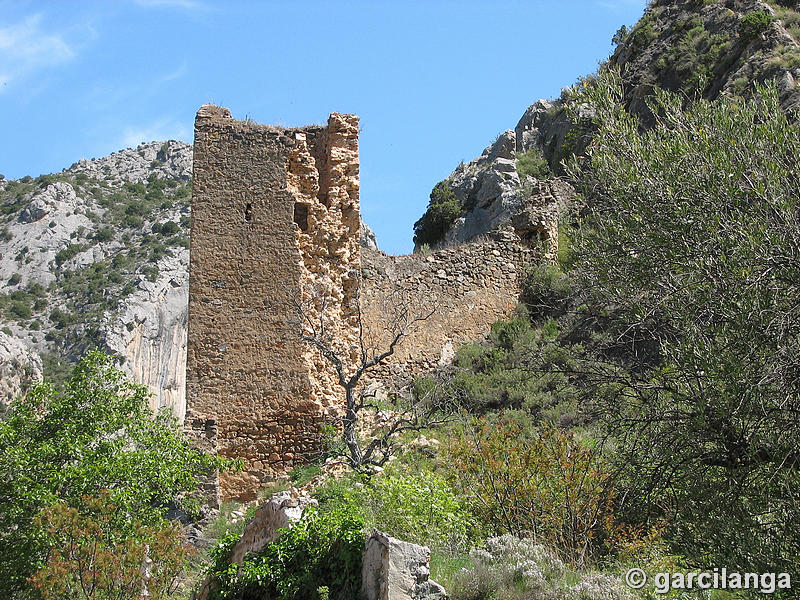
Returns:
(533, 164)
(692, 237)
(443, 210)
(71, 251)
(545, 289)
(754, 24)
(523, 366)
(512, 568)
(421, 508)
(91, 559)
(540, 484)
(323, 549)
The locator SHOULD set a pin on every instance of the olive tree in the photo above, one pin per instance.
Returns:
(690, 239)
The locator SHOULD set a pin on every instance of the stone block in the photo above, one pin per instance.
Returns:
(397, 570)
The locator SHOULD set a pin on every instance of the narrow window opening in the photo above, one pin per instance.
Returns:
(301, 215)
(248, 212)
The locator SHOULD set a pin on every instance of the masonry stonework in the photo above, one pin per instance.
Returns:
(464, 289)
(274, 248)
(272, 210)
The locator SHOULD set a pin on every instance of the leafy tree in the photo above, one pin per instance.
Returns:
(620, 35)
(691, 240)
(89, 559)
(97, 434)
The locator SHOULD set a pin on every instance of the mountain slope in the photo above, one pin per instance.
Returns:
(97, 256)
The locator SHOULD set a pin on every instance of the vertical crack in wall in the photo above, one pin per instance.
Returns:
(322, 176)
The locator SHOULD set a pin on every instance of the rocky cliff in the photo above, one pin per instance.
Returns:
(695, 47)
(97, 256)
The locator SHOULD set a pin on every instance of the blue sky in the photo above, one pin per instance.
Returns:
(434, 82)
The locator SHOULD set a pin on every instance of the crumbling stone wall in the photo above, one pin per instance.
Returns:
(274, 248)
(275, 212)
(465, 289)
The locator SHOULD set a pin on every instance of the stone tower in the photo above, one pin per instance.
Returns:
(275, 227)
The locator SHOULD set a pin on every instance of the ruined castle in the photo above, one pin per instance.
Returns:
(275, 248)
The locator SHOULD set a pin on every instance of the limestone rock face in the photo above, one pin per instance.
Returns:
(397, 570)
(149, 333)
(494, 194)
(368, 239)
(59, 195)
(165, 160)
(20, 368)
(99, 255)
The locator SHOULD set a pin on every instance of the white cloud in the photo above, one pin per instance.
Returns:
(176, 74)
(163, 129)
(185, 4)
(27, 48)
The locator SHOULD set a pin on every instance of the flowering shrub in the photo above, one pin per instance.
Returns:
(512, 568)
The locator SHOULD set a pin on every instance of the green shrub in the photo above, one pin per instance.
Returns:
(754, 24)
(533, 164)
(422, 508)
(20, 310)
(169, 228)
(544, 484)
(643, 32)
(137, 189)
(301, 475)
(69, 252)
(545, 289)
(322, 549)
(104, 234)
(132, 222)
(443, 210)
(55, 369)
(521, 366)
(182, 192)
(14, 279)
